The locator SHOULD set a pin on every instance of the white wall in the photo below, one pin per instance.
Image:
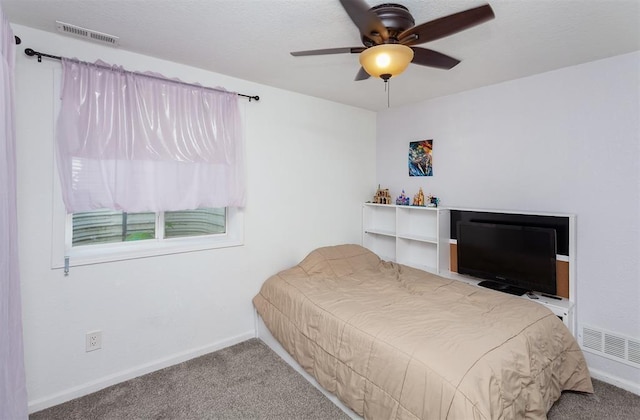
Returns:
(566, 141)
(311, 163)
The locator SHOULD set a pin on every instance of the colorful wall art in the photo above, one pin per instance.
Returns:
(420, 158)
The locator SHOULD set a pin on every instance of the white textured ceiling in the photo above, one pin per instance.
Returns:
(251, 40)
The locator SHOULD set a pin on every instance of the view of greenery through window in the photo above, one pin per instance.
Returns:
(107, 226)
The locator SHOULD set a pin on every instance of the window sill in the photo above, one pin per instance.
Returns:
(98, 254)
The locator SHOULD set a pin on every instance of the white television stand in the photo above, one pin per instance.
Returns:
(562, 308)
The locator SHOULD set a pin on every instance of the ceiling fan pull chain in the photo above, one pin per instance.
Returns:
(387, 87)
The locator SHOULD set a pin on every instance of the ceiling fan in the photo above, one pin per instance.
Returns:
(389, 36)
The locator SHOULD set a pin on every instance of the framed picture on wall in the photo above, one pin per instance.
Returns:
(420, 158)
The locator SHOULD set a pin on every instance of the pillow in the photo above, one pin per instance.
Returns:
(339, 260)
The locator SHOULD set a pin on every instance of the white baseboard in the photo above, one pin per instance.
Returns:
(614, 380)
(101, 383)
(265, 335)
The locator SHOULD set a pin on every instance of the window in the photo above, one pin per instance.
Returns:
(179, 224)
(107, 226)
(106, 235)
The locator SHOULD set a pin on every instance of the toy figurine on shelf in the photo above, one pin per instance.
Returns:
(382, 196)
(402, 200)
(432, 201)
(418, 199)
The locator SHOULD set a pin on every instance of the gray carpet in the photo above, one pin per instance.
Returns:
(249, 381)
(245, 381)
(606, 402)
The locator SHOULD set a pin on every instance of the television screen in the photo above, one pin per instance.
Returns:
(516, 259)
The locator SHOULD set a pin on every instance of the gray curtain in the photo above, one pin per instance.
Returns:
(13, 390)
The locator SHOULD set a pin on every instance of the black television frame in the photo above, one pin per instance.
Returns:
(559, 223)
(505, 274)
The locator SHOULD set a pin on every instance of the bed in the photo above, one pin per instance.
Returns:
(393, 342)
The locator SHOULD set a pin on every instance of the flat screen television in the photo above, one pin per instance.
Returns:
(514, 259)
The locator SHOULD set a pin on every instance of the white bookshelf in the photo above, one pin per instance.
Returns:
(409, 235)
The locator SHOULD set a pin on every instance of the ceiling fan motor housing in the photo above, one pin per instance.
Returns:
(395, 17)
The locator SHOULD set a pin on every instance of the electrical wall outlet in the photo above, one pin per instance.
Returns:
(94, 340)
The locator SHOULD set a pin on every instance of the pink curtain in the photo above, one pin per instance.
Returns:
(141, 142)
(13, 390)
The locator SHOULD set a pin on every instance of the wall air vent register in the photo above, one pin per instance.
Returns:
(80, 32)
(611, 345)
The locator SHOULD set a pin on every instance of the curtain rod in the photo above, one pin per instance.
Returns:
(30, 52)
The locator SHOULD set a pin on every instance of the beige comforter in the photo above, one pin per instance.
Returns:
(393, 342)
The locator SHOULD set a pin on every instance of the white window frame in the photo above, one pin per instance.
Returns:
(119, 251)
(63, 255)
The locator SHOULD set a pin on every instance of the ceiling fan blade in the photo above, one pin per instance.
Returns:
(345, 50)
(362, 75)
(430, 58)
(367, 21)
(446, 26)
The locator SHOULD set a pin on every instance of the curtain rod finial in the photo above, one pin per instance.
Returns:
(30, 52)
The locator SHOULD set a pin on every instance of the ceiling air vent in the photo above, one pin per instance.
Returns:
(611, 345)
(80, 32)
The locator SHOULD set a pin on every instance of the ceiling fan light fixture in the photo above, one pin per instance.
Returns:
(386, 60)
